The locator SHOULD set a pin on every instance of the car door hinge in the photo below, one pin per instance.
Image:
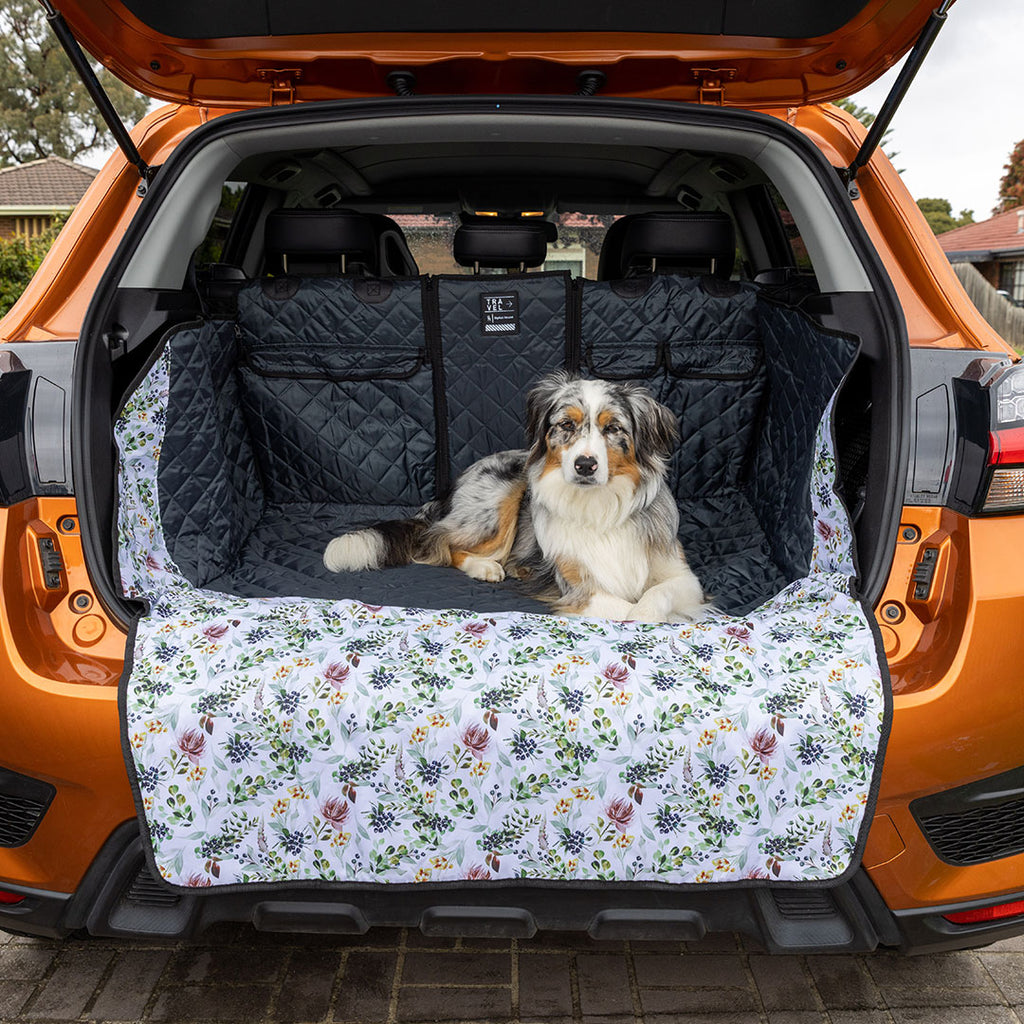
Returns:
(711, 90)
(282, 84)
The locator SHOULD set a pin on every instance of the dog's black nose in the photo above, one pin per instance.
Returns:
(586, 465)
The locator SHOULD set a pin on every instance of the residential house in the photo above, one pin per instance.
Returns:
(996, 249)
(32, 194)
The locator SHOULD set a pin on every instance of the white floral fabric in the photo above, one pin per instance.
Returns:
(285, 740)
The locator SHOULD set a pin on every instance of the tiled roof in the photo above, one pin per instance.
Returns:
(1003, 232)
(51, 182)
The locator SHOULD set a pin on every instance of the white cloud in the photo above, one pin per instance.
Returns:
(964, 112)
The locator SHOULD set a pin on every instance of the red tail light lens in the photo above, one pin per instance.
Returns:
(996, 913)
(10, 898)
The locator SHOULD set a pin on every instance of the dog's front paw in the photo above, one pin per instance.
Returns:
(486, 569)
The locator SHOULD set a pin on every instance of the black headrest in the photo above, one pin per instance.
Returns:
(320, 241)
(668, 242)
(394, 258)
(502, 242)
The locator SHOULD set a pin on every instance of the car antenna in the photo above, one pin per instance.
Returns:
(99, 97)
(892, 102)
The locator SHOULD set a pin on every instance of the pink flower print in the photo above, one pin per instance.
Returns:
(478, 873)
(739, 632)
(192, 743)
(824, 530)
(764, 743)
(476, 629)
(616, 674)
(197, 881)
(214, 632)
(336, 674)
(476, 739)
(620, 812)
(334, 811)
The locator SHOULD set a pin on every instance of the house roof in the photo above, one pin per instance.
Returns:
(1002, 233)
(50, 183)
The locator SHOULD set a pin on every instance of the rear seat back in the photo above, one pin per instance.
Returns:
(693, 340)
(335, 370)
(498, 334)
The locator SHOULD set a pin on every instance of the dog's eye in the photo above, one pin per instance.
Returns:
(566, 425)
(613, 428)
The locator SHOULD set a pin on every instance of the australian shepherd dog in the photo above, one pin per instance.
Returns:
(585, 516)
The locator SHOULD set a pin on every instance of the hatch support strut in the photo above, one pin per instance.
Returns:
(97, 93)
(892, 102)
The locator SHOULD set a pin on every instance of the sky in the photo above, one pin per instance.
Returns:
(964, 113)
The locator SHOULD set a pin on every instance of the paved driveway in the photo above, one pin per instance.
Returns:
(236, 974)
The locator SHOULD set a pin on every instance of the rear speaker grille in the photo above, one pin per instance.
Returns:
(977, 835)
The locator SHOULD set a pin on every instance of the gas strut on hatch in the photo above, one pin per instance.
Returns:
(892, 102)
(99, 97)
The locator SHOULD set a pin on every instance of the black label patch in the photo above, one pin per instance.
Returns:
(499, 313)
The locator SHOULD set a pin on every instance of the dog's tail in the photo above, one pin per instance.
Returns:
(375, 547)
(393, 542)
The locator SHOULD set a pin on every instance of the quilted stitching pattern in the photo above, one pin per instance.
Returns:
(284, 555)
(210, 496)
(336, 391)
(700, 354)
(805, 366)
(487, 376)
(263, 462)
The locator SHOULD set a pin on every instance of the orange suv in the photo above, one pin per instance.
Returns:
(316, 287)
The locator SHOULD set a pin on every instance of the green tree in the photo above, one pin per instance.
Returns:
(44, 108)
(939, 214)
(1011, 188)
(19, 260)
(867, 118)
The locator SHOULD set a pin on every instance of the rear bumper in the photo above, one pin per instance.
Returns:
(118, 897)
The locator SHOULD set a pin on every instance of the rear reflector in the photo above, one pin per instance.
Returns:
(980, 914)
(10, 898)
(1005, 490)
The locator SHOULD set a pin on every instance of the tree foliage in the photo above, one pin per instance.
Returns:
(44, 107)
(867, 118)
(939, 214)
(19, 260)
(1011, 188)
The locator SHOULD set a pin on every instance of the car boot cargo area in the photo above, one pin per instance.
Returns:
(284, 725)
(330, 403)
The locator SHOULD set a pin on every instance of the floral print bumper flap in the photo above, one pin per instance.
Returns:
(280, 740)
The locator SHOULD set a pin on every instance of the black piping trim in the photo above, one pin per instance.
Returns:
(432, 331)
(574, 325)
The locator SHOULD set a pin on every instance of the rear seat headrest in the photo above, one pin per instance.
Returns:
(320, 242)
(668, 242)
(502, 242)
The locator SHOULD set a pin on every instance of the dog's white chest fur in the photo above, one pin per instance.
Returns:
(591, 528)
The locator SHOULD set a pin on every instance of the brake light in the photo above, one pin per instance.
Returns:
(979, 914)
(1006, 445)
(10, 898)
(989, 464)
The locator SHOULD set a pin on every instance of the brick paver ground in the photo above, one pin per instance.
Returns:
(237, 974)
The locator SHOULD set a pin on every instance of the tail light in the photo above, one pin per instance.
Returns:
(989, 477)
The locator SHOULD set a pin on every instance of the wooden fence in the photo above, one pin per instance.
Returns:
(1006, 318)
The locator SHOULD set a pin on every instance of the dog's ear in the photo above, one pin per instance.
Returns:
(656, 427)
(539, 402)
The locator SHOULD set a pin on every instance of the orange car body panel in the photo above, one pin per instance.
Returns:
(955, 660)
(742, 71)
